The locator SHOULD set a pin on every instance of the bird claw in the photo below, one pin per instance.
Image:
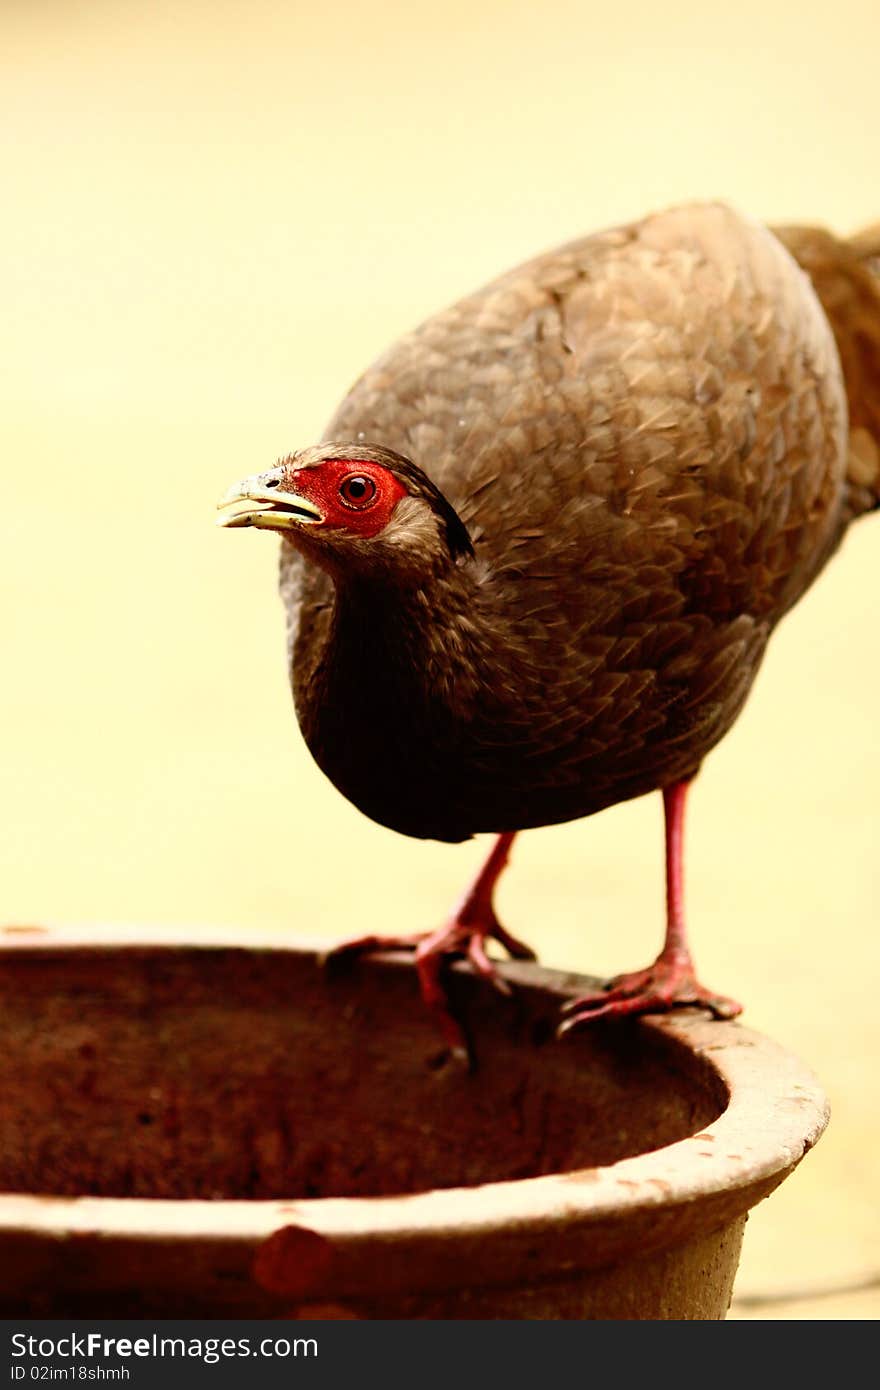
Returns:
(659, 989)
(433, 950)
(475, 952)
(366, 945)
(517, 950)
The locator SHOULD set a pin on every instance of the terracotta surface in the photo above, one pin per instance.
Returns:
(204, 1128)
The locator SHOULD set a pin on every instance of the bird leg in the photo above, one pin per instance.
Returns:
(670, 982)
(465, 934)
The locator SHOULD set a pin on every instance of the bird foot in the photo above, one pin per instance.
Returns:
(665, 985)
(459, 939)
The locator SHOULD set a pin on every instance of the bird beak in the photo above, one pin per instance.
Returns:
(261, 501)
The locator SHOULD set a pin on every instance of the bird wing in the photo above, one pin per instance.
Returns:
(658, 403)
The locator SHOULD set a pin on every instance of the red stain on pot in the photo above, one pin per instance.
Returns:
(294, 1261)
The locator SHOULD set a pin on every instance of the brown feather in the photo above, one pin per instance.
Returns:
(647, 436)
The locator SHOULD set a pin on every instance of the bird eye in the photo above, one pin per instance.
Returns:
(357, 491)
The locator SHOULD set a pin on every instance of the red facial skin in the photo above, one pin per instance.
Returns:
(345, 504)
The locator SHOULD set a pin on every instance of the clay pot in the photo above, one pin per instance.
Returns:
(204, 1128)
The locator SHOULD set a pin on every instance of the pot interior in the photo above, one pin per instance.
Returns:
(211, 1072)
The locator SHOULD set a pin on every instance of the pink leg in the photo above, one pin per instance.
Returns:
(670, 982)
(465, 934)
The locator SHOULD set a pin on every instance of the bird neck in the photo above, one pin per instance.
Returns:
(404, 689)
(432, 641)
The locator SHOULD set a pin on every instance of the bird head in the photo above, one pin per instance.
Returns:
(351, 507)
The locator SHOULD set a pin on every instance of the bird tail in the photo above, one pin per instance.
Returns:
(846, 277)
(866, 244)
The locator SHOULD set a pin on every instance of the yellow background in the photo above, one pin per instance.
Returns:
(214, 215)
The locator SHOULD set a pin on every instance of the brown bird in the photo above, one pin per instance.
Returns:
(534, 568)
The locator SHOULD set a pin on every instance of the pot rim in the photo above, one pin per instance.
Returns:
(775, 1113)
